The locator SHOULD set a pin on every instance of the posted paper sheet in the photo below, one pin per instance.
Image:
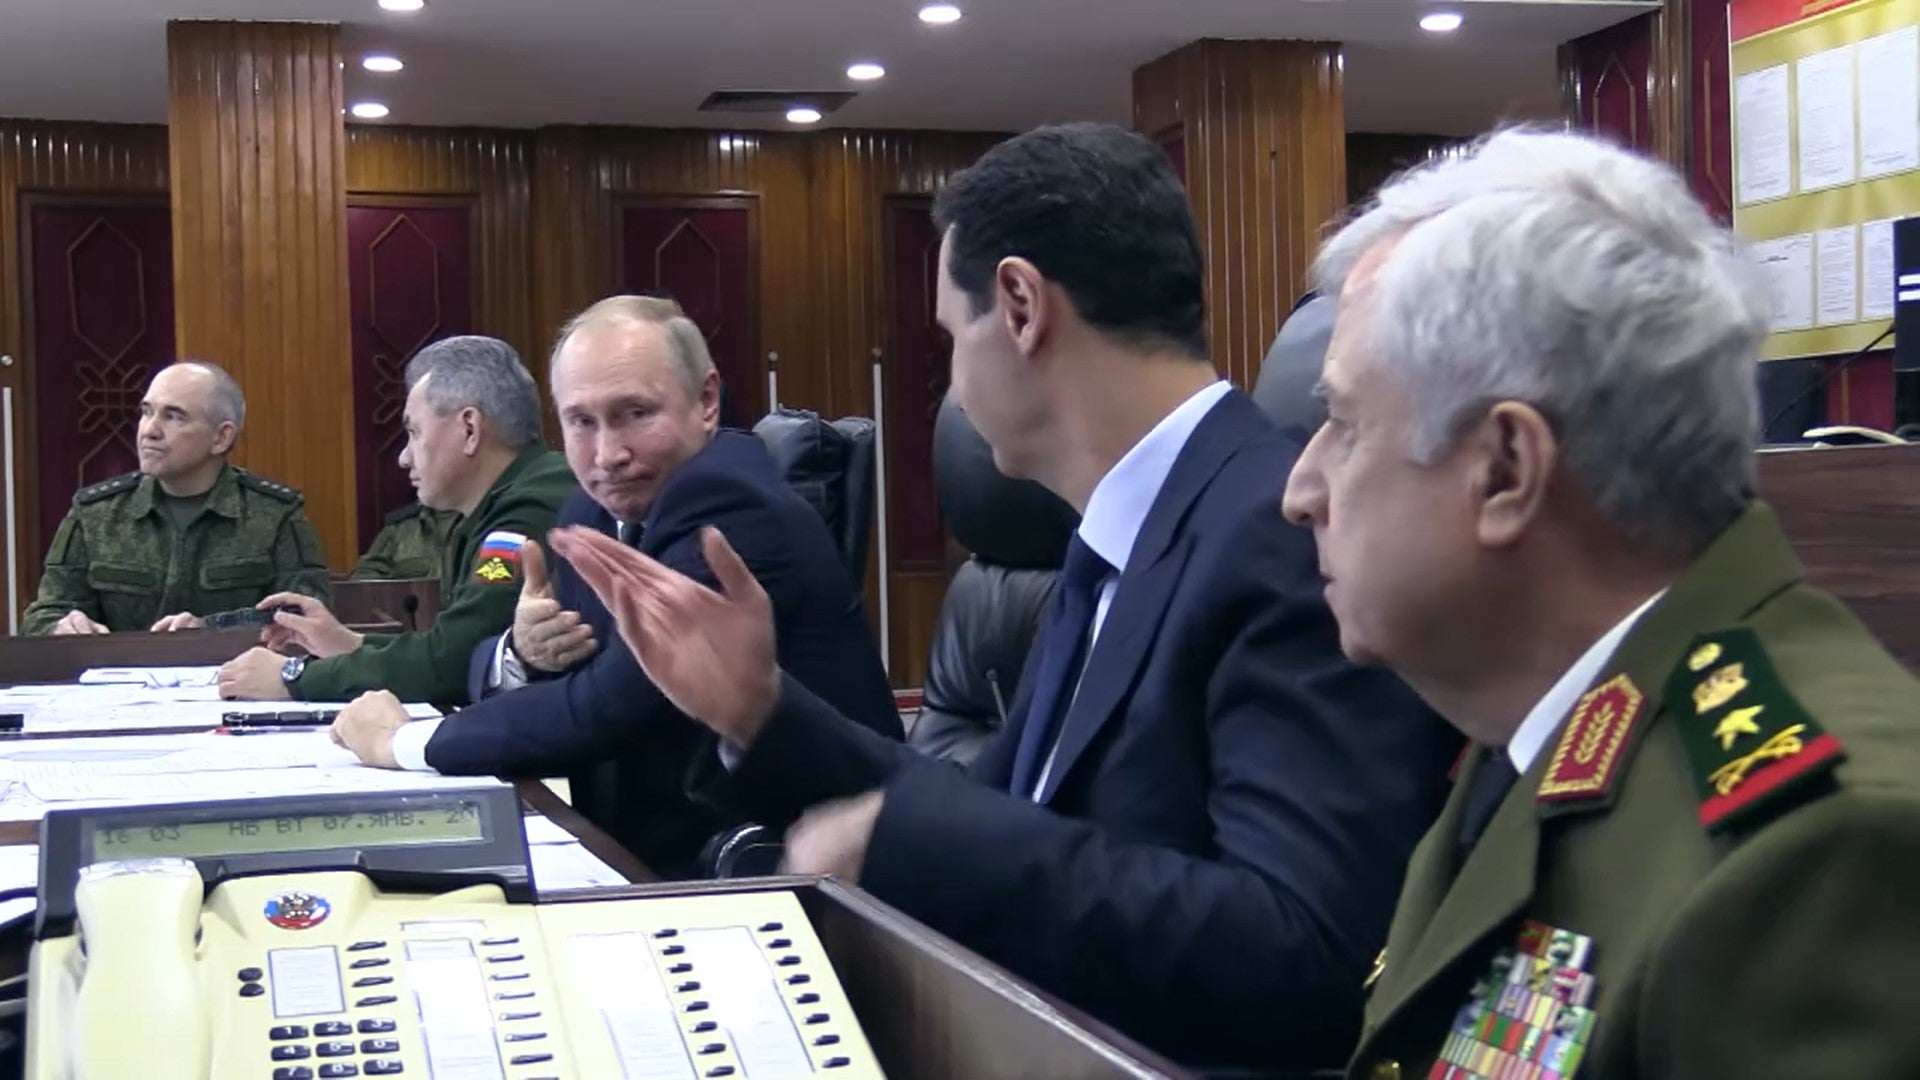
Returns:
(1762, 151)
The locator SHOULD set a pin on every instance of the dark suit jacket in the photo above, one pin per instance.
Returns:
(623, 746)
(1231, 806)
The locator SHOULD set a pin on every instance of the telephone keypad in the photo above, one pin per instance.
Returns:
(365, 981)
(252, 989)
(370, 962)
(287, 1031)
(377, 1026)
(334, 1049)
(251, 974)
(529, 1059)
(293, 1072)
(363, 946)
(339, 1068)
(291, 1053)
(377, 999)
(327, 1029)
(380, 1046)
(383, 1068)
(523, 1036)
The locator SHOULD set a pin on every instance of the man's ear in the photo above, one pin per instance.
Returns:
(709, 401)
(224, 437)
(1517, 453)
(470, 423)
(1024, 302)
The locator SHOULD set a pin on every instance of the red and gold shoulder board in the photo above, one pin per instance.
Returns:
(1589, 754)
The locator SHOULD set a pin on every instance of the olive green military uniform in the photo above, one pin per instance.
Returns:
(123, 558)
(413, 544)
(1712, 870)
(477, 596)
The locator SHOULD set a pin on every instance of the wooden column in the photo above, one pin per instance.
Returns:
(258, 170)
(1259, 130)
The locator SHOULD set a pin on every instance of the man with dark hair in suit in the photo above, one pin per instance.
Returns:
(1196, 818)
(637, 396)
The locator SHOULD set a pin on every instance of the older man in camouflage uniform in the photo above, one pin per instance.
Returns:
(187, 536)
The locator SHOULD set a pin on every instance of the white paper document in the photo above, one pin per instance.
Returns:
(1876, 269)
(127, 706)
(118, 770)
(153, 676)
(1890, 103)
(1762, 133)
(19, 869)
(1836, 261)
(1788, 265)
(1823, 84)
(570, 866)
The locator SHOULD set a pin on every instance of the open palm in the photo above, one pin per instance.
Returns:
(710, 652)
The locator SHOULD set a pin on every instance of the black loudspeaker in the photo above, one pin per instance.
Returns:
(1793, 398)
(1906, 294)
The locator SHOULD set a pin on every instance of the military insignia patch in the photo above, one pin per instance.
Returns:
(1588, 754)
(1750, 742)
(1531, 1014)
(498, 560)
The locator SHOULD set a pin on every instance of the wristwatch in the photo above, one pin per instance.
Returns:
(290, 671)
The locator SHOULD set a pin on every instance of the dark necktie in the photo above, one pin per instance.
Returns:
(1490, 784)
(1062, 648)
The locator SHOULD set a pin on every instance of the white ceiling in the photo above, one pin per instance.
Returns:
(1007, 65)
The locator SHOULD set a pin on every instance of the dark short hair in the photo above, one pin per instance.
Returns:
(1098, 210)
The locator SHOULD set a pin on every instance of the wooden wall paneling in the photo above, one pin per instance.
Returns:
(259, 202)
(855, 174)
(1611, 87)
(1262, 132)
(492, 167)
(68, 160)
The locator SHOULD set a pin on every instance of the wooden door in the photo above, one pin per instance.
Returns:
(704, 253)
(410, 275)
(99, 304)
(915, 371)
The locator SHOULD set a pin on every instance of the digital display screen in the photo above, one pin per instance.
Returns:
(447, 822)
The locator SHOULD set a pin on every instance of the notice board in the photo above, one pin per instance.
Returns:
(1826, 154)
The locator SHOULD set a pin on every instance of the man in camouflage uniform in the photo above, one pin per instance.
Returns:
(473, 447)
(1686, 842)
(412, 545)
(185, 537)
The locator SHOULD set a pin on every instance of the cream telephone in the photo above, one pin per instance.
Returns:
(177, 945)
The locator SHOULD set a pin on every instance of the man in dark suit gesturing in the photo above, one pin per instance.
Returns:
(637, 396)
(1196, 819)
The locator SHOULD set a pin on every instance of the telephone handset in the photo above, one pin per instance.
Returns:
(136, 1008)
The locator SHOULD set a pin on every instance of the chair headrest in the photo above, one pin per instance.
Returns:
(1284, 390)
(1013, 523)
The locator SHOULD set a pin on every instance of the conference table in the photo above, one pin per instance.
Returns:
(930, 1008)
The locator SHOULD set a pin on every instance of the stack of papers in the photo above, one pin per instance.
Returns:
(142, 706)
(129, 769)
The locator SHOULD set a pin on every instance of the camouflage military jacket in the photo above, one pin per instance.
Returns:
(412, 545)
(119, 558)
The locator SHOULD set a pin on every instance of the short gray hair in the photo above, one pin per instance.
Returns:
(486, 374)
(684, 338)
(1572, 275)
(228, 405)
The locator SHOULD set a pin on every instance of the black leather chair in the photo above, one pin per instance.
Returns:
(1284, 388)
(1017, 534)
(831, 465)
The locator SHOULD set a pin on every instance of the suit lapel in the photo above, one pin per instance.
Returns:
(1146, 588)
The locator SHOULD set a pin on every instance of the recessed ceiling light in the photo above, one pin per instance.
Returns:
(368, 110)
(803, 115)
(1440, 22)
(939, 14)
(403, 5)
(865, 72)
(382, 63)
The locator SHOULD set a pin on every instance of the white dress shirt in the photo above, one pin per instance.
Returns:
(505, 673)
(1551, 711)
(1120, 503)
